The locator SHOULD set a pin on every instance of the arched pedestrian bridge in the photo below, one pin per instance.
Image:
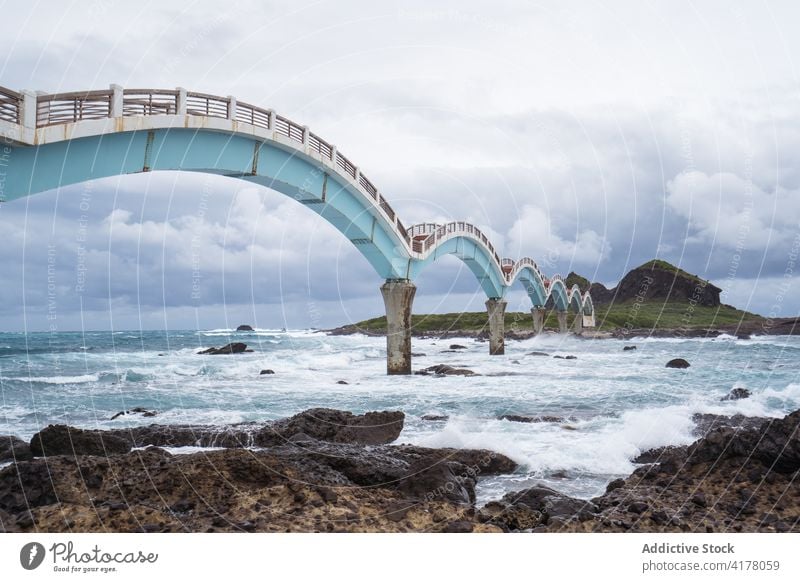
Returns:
(54, 140)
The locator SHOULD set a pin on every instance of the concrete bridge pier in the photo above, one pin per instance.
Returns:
(398, 297)
(538, 319)
(497, 312)
(577, 325)
(562, 321)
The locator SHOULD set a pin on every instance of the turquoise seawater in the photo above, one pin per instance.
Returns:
(616, 403)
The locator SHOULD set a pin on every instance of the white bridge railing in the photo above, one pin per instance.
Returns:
(62, 108)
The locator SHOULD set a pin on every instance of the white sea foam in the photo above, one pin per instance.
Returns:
(82, 379)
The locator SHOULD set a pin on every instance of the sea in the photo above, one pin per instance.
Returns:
(614, 403)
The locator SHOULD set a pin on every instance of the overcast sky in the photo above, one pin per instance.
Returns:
(592, 136)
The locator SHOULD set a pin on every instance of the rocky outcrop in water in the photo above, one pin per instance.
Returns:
(445, 370)
(678, 363)
(232, 348)
(244, 327)
(325, 424)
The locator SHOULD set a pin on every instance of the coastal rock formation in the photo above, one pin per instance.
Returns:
(12, 448)
(232, 348)
(244, 327)
(302, 484)
(628, 348)
(678, 363)
(266, 372)
(732, 479)
(324, 424)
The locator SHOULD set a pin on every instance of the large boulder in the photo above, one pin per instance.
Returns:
(14, 449)
(59, 439)
(244, 327)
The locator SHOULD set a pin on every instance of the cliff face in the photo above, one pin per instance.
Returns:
(658, 280)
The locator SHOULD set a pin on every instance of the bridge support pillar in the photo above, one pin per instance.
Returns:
(398, 296)
(538, 320)
(562, 321)
(497, 312)
(577, 325)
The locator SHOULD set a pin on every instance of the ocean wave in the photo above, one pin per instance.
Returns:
(82, 379)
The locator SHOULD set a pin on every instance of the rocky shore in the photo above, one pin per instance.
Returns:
(328, 470)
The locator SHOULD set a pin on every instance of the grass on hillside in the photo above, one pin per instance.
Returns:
(630, 315)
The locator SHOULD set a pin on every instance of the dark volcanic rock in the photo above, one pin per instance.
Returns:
(737, 394)
(538, 354)
(628, 348)
(538, 505)
(59, 439)
(339, 426)
(232, 348)
(444, 370)
(266, 372)
(457, 347)
(304, 486)
(434, 417)
(566, 357)
(12, 448)
(735, 478)
(244, 327)
(678, 363)
(705, 422)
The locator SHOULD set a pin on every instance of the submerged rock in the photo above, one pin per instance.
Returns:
(457, 347)
(435, 417)
(138, 410)
(566, 357)
(737, 394)
(231, 348)
(526, 418)
(244, 327)
(538, 354)
(445, 370)
(678, 363)
(266, 372)
(628, 348)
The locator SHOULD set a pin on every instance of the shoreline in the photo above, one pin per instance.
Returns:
(783, 326)
(330, 470)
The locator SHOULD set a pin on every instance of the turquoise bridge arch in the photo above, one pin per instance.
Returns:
(54, 140)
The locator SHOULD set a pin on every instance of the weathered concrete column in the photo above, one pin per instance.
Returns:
(497, 313)
(577, 325)
(398, 296)
(562, 321)
(538, 319)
